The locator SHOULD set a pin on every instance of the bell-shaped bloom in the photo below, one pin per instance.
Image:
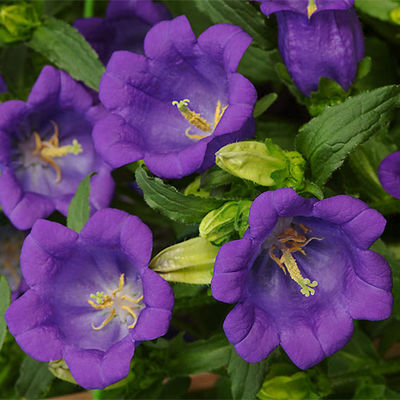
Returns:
(300, 275)
(92, 296)
(46, 149)
(10, 248)
(318, 38)
(3, 85)
(124, 28)
(389, 174)
(178, 104)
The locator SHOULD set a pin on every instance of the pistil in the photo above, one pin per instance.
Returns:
(196, 120)
(48, 150)
(289, 242)
(115, 302)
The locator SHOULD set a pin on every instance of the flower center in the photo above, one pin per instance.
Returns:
(287, 243)
(119, 303)
(311, 8)
(46, 151)
(197, 121)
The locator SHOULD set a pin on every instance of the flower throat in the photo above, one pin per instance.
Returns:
(289, 242)
(197, 121)
(47, 150)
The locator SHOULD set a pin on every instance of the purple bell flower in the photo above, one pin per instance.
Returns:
(300, 275)
(124, 28)
(318, 38)
(92, 296)
(178, 104)
(389, 174)
(3, 85)
(46, 149)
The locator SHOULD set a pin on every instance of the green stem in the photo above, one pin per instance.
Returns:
(88, 8)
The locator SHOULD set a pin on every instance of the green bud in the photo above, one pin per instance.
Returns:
(18, 20)
(60, 370)
(191, 261)
(265, 164)
(226, 223)
(295, 387)
(250, 160)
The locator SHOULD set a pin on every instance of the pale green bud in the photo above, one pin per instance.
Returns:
(227, 223)
(265, 164)
(60, 369)
(18, 20)
(295, 387)
(250, 160)
(191, 261)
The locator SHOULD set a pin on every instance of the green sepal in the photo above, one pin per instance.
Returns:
(60, 370)
(329, 92)
(18, 21)
(191, 261)
(226, 223)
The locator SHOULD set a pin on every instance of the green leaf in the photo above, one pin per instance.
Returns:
(258, 65)
(243, 14)
(380, 247)
(329, 138)
(264, 103)
(246, 378)
(34, 379)
(5, 295)
(64, 46)
(79, 208)
(199, 356)
(378, 9)
(175, 205)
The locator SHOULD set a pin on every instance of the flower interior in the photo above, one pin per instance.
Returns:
(120, 303)
(47, 150)
(293, 239)
(197, 121)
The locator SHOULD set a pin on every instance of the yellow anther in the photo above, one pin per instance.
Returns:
(110, 317)
(47, 150)
(114, 302)
(218, 113)
(135, 301)
(289, 242)
(120, 286)
(196, 120)
(311, 8)
(130, 311)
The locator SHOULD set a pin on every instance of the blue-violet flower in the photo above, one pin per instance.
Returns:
(318, 38)
(46, 149)
(300, 275)
(92, 296)
(178, 104)
(124, 28)
(389, 174)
